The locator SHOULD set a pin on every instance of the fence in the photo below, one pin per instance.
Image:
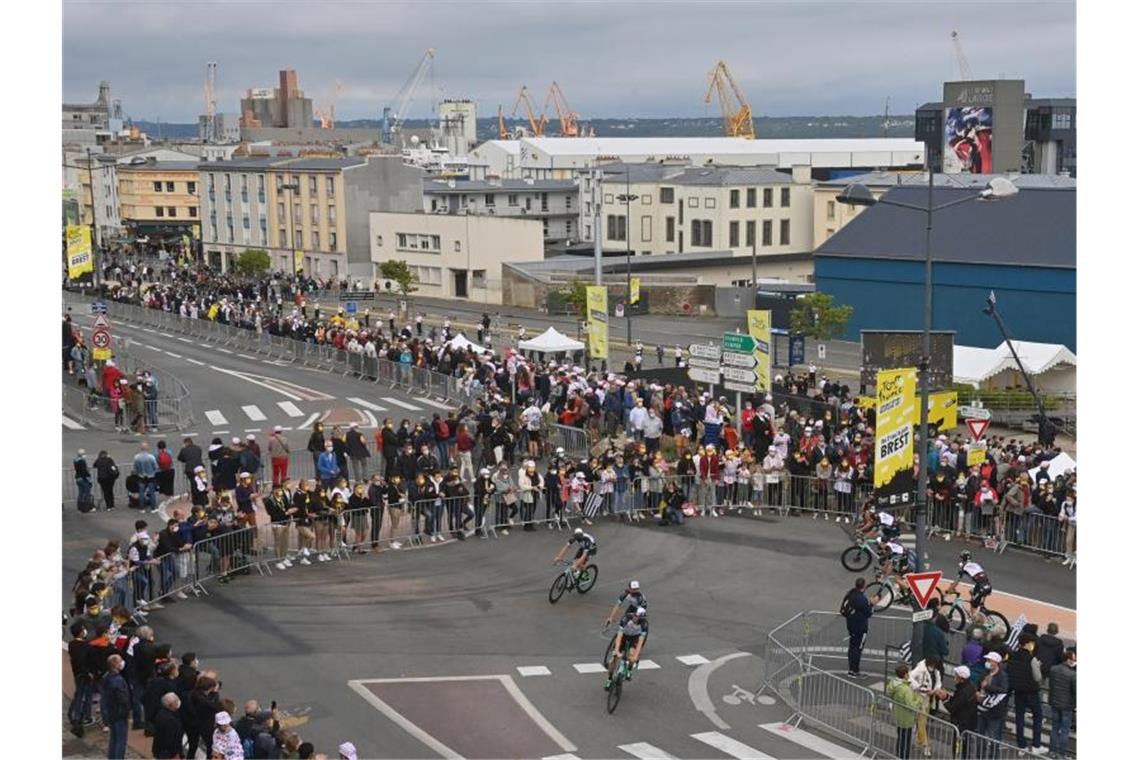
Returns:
(1033, 531)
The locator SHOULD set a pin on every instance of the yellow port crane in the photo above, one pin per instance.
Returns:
(567, 119)
(737, 113)
(537, 126)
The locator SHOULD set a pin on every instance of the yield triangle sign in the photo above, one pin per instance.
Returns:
(977, 428)
(922, 585)
(101, 321)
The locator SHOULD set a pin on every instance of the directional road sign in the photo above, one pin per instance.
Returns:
(742, 387)
(922, 585)
(974, 413)
(739, 342)
(703, 375)
(733, 359)
(704, 351)
(350, 307)
(740, 375)
(700, 361)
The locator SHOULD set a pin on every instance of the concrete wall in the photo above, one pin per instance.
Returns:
(383, 184)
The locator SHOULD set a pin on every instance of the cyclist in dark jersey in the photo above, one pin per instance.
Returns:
(587, 547)
(632, 630)
(976, 573)
(632, 598)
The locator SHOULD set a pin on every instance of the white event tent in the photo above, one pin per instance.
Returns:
(1053, 367)
(552, 342)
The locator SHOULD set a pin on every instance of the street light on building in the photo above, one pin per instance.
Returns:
(860, 195)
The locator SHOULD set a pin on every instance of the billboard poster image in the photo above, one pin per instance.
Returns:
(968, 145)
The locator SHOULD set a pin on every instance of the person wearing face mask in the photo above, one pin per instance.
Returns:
(388, 444)
(485, 491)
(993, 700)
(115, 706)
(316, 445)
(327, 469)
(1062, 701)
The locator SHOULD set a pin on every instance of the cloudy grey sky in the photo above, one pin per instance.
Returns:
(611, 58)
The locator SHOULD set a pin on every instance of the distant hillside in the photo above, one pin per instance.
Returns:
(787, 127)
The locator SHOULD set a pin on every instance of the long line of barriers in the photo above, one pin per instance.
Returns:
(322, 356)
(798, 655)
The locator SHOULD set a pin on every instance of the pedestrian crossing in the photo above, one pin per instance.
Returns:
(719, 744)
(293, 412)
(290, 409)
(401, 404)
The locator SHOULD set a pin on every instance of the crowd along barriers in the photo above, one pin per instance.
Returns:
(1030, 530)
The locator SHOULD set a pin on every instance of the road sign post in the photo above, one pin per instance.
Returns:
(922, 585)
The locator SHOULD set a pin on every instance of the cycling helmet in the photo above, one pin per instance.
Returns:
(577, 531)
(640, 612)
(634, 586)
(964, 556)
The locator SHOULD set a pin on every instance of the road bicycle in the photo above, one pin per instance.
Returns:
(623, 673)
(859, 557)
(568, 580)
(960, 614)
(890, 593)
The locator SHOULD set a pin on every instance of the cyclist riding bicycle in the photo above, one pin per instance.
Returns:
(896, 560)
(882, 525)
(982, 587)
(632, 597)
(632, 630)
(587, 547)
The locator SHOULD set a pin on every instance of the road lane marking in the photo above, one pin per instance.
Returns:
(589, 667)
(367, 404)
(563, 756)
(146, 329)
(206, 345)
(166, 335)
(224, 350)
(249, 379)
(692, 659)
(290, 409)
(533, 670)
(153, 348)
(252, 430)
(309, 422)
(171, 353)
(71, 424)
(730, 746)
(290, 390)
(394, 715)
(253, 412)
(646, 751)
(647, 665)
(195, 361)
(699, 688)
(810, 741)
(247, 356)
(372, 423)
(436, 404)
(184, 340)
(220, 432)
(215, 417)
(400, 403)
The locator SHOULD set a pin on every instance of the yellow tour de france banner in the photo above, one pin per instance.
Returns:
(976, 455)
(894, 436)
(760, 328)
(634, 290)
(298, 260)
(79, 258)
(597, 318)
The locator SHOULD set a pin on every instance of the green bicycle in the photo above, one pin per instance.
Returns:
(859, 557)
(568, 579)
(613, 691)
(884, 592)
(960, 613)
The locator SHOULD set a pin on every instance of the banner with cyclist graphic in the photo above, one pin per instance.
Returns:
(597, 319)
(895, 411)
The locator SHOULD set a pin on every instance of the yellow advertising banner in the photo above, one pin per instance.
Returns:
(597, 319)
(760, 328)
(634, 290)
(895, 411)
(976, 455)
(79, 258)
(943, 414)
(298, 260)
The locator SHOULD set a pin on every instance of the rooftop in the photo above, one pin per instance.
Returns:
(571, 264)
(160, 166)
(670, 146)
(1037, 227)
(437, 186)
(892, 179)
(717, 176)
(318, 164)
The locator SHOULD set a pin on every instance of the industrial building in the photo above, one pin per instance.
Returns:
(554, 202)
(282, 106)
(95, 123)
(1022, 248)
(997, 127)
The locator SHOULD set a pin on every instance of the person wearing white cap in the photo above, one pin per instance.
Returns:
(962, 705)
(226, 742)
(632, 597)
(346, 751)
(994, 693)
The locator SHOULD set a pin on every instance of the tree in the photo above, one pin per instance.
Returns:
(815, 317)
(575, 294)
(400, 273)
(252, 262)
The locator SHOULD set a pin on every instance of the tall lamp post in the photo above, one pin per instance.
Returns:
(292, 187)
(626, 198)
(860, 195)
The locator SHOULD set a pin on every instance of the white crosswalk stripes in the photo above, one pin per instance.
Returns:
(253, 412)
(730, 746)
(648, 665)
(367, 404)
(401, 404)
(215, 417)
(436, 404)
(589, 667)
(816, 744)
(290, 409)
(71, 424)
(533, 670)
(646, 751)
(692, 659)
(563, 756)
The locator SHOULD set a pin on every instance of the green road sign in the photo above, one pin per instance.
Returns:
(739, 342)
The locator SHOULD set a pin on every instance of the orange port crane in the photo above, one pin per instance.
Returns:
(737, 111)
(537, 126)
(568, 120)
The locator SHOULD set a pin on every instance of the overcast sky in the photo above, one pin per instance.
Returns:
(611, 58)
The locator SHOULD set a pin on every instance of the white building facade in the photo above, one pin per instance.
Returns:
(552, 202)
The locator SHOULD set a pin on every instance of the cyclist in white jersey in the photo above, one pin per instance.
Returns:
(977, 574)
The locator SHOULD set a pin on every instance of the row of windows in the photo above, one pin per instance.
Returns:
(282, 180)
(170, 212)
(191, 187)
(282, 239)
(701, 231)
(667, 196)
(411, 241)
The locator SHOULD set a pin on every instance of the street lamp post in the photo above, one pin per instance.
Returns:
(292, 187)
(860, 195)
(626, 198)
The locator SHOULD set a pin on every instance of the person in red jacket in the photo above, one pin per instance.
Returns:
(708, 477)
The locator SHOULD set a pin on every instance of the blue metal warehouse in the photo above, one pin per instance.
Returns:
(1023, 248)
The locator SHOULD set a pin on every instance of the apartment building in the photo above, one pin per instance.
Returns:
(553, 202)
(159, 199)
(235, 212)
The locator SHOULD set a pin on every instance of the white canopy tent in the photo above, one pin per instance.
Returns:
(1057, 466)
(1053, 367)
(552, 341)
(463, 344)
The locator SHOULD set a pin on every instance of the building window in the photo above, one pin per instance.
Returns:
(245, 222)
(170, 187)
(244, 195)
(280, 181)
(666, 195)
(569, 203)
(695, 233)
(513, 199)
(314, 214)
(158, 187)
(210, 181)
(750, 232)
(281, 239)
(710, 202)
(670, 229)
(297, 213)
(261, 183)
(750, 200)
(159, 211)
(608, 198)
(330, 186)
(280, 210)
(706, 232)
(694, 202)
(831, 209)
(316, 240)
(767, 197)
(615, 227)
(479, 277)
(646, 200)
(230, 233)
(332, 241)
(264, 231)
(734, 199)
(830, 231)
(785, 197)
(733, 234)
(458, 248)
(192, 187)
(1062, 120)
(332, 214)
(785, 232)
(489, 200)
(312, 185)
(766, 232)
(171, 211)
(193, 212)
(401, 240)
(646, 229)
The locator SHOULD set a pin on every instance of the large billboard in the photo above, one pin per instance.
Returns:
(968, 140)
(894, 437)
(79, 258)
(893, 349)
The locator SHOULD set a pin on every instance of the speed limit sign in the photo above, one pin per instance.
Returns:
(100, 338)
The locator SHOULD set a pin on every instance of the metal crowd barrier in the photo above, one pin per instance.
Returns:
(1032, 531)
